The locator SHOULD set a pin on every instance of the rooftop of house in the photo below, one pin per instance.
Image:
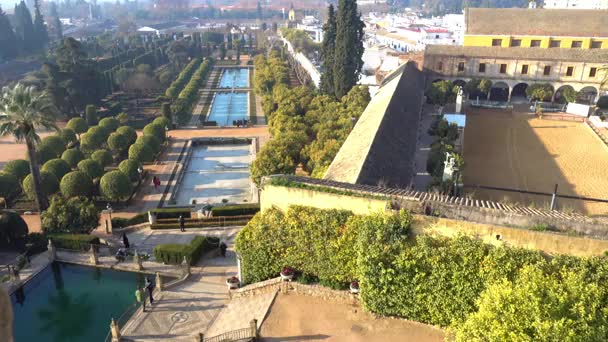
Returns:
(537, 22)
(559, 54)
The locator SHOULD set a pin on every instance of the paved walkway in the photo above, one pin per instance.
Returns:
(423, 149)
(189, 308)
(37, 264)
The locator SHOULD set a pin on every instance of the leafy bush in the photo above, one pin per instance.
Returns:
(235, 210)
(90, 142)
(78, 125)
(91, 168)
(100, 132)
(48, 181)
(76, 184)
(57, 167)
(115, 186)
(44, 153)
(183, 77)
(111, 124)
(130, 168)
(203, 223)
(19, 168)
(166, 111)
(141, 153)
(73, 215)
(151, 141)
(162, 122)
(13, 230)
(155, 131)
(77, 242)
(602, 103)
(103, 157)
(174, 254)
(72, 156)
(91, 115)
(68, 136)
(37, 243)
(53, 143)
(123, 118)
(9, 186)
(129, 133)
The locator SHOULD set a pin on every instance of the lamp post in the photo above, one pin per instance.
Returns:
(140, 171)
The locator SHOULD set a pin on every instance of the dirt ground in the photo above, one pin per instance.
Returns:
(302, 318)
(518, 150)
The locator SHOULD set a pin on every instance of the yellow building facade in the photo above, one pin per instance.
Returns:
(542, 42)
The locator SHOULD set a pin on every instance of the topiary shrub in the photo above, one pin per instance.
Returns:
(122, 118)
(76, 242)
(9, 187)
(115, 186)
(141, 153)
(103, 157)
(55, 143)
(173, 254)
(13, 230)
(89, 142)
(68, 136)
(102, 132)
(76, 184)
(19, 168)
(78, 125)
(73, 215)
(111, 124)
(162, 122)
(155, 130)
(91, 115)
(130, 168)
(57, 167)
(73, 156)
(91, 167)
(151, 141)
(166, 110)
(118, 143)
(44, 153)
(129, 132)
(48, 182)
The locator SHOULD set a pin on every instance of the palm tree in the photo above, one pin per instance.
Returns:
(22, 111)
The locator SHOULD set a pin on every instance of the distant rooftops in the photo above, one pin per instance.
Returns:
(574, 55)
(538, 22)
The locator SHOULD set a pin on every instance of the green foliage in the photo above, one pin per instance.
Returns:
(18, 168)
(166, 111)
(44, 153)
(569, 95)
(129, 133)
(68, 136)
(181, 80)
(123, 118)
(48, 183)
(300, 40)
(76, 184)
(155, 130)
(111, 124)
(91, 115)
(103, 157)
(118, 143)
(78, 125)
(93, 139)
(347, 61)
(236, 209)
(115, 186)
(540, 91)
(102, 132)
(77, 242)
(141, 152)
(129, 167)
(9, 185)
(478, 87)
(442, 93)
(328, 47)
(174, 254)
(162, 122)
(150, 141)
(91, 168)
(13, 230)
(54, 144)
(57, 167)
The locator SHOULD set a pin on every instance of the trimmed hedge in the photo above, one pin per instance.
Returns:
(150, 141)
(78, 125)
(118, 143)
(141, 153)
(155, 130)
(19, 168)
(103, 157)
(129, 167)
(54, 143)
(174, 254)
(198, 223)
(76, 184)
(9, 187)
(48, 183)
(91, 167)
(128, 132)
(115, 186)
(236, 210)
(183, 77)
(68, 136)
(109, 123)
(57, 167)
(73, 156)
(77, 242)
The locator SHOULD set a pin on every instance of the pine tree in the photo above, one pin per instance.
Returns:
(24, 28)
(57, 28)
(9, 47)
(327, 52)
(42, 35)
(349, 47)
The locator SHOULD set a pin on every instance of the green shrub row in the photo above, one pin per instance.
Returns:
(174, 254)
(187, 98)
(183, 77)
(481, 292)
(236, 209)
(211, 222)
(79, 242)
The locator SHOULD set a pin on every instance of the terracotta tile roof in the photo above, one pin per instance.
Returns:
(539, 22)
(559, 54)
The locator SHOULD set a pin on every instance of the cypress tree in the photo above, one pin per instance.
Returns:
(42, 35)
(327, 52)
(58, 31)
(24, 28)
(349, 47)
(9, 47)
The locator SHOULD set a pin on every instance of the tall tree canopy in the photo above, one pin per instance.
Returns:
(349, 47)
(40, 31)
(56, 23)
(327, 52)
(9, 47)
(24, 28)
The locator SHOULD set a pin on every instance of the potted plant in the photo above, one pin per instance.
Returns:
(233, 282)
(354, 287)
(287, 273)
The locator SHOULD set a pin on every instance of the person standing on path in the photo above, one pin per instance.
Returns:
(150, 288)
(182, 223)
(139, 296)
(125, 240)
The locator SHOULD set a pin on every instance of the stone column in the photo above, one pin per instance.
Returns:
(138, 261)
(239, 266)
(253, 325)
(115, 331)
(159, 282)
(185, 267)
(52, 251)
(94, 258)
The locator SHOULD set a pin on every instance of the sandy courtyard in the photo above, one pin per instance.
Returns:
(523, 152)
(302, 318)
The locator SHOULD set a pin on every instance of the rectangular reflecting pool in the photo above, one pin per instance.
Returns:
(72, 303)
(235, 78)
(229, 107)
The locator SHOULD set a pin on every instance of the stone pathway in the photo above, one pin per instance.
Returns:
(37, 264)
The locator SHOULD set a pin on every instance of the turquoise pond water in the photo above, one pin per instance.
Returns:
(72, 303)
(228, 107)
(235, 78)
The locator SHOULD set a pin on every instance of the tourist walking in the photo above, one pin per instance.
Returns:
(182, 223)
(139, 296)
(156, 182)
(150, 288)
(223, 248)
(125, 240)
